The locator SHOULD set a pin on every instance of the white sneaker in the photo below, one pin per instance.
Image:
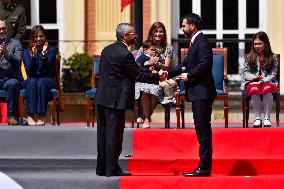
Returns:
(267, 123)
(146, 124)
(257, 123)
(140, 120)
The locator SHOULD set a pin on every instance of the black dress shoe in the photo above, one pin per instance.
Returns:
(100, 173)
(198, 172)
(118, 174)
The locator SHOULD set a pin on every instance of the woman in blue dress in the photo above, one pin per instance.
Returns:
(39, 60)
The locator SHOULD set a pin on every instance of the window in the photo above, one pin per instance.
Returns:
(185, 7)
(233, 53)
(230, 14)
(252, 11)
(227, 23)
(208, 12)
(47, 11)
(46, 14)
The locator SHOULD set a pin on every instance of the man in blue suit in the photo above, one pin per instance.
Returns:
(200, 88)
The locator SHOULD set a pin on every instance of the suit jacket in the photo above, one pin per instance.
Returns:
(10, 63)
(198, 63)
(118, 72)
(40, 65)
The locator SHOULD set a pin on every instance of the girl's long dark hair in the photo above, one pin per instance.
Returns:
(268, 54)
(34, 31)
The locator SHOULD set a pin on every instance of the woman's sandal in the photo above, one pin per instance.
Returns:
(31, 121)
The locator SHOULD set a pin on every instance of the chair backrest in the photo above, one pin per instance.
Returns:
(220, 65)
(95, 69)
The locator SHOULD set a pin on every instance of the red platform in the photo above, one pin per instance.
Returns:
(242, 158)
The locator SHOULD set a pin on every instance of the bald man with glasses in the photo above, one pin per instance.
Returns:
(10, 72)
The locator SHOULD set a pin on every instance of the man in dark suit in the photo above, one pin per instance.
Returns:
(200, 89)
(115, 94)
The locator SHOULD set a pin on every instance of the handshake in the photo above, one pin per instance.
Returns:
(163, 75)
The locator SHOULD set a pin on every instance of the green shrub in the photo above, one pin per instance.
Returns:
(81, 66)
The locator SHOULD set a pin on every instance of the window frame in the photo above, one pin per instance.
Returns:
(219, 32)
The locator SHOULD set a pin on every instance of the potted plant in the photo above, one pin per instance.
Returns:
(77, 76)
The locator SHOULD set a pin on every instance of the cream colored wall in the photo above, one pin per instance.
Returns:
(74, 24)
(108, 15)
(161, 11)
(275, 29)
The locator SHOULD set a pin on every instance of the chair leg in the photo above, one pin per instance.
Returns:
(133, 117)
(167, 117)
(277, 110)
(247, 112)
(93, 113)
(226, 107)
(244, 111)
(178, 111)
(182, 115)
(58, 111)
(53, 111)
(21, 110)
(88, 107)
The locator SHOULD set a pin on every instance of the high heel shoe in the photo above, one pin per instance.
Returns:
(40, 121)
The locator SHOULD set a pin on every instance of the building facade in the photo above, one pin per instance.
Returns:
(89, 25)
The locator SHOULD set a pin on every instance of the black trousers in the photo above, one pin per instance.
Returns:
(202, 110)
(110, 128)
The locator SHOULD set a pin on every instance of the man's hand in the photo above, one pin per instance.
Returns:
(183, 76)
(163, 75)
(2, 49)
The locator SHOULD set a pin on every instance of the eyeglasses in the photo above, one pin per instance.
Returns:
(3, 28)
(133, 33)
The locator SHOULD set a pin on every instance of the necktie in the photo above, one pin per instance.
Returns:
(190, 45)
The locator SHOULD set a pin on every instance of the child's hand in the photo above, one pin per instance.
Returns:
(151, 69)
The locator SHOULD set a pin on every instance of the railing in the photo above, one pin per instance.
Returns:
(236, 50)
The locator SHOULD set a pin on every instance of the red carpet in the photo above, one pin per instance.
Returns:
(214, 182)
(160, 156)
